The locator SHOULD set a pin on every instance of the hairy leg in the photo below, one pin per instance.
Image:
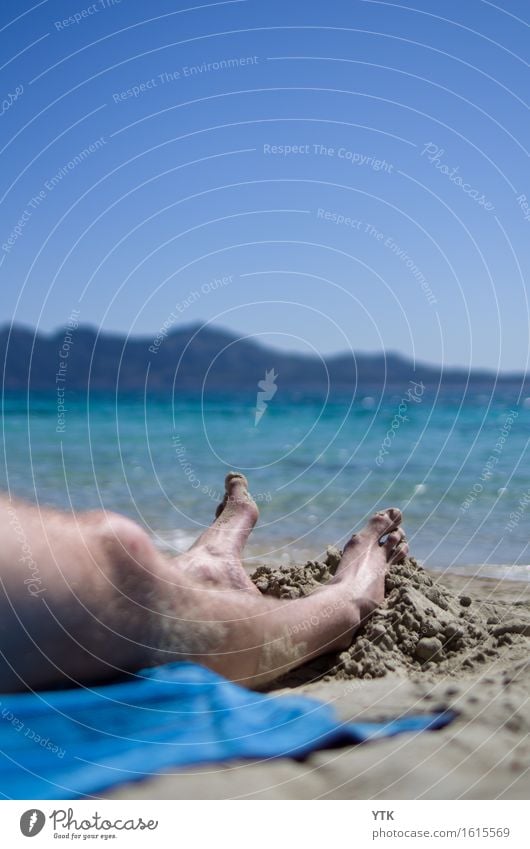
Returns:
(75, 596)
(104, 601)
(293, 632)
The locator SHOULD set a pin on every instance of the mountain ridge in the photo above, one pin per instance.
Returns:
(198, 358)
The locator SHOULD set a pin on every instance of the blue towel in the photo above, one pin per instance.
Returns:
(68, 744)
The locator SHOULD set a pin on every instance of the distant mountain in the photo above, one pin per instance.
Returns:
(197, 359)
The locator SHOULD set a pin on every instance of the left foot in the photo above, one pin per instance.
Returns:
(216, 557)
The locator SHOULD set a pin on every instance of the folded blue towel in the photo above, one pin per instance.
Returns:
(67, 744)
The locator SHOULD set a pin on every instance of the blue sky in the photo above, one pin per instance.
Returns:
(354, 173)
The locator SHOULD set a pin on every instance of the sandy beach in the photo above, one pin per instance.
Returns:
(439, 642)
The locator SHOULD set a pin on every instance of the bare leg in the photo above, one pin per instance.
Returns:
(75, 596)
(254, 639)
(294, 632)
(106, 601)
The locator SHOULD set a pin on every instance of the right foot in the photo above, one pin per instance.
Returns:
(367, 556)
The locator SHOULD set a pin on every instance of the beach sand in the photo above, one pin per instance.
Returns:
(440, 641)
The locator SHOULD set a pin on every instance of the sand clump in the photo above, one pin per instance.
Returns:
(423, 627)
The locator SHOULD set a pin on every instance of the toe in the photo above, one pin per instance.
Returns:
(236, 489)
(235, 479)
(400, 553)
(396, 547)
(237, 500)
(386, 521)
(393, 540)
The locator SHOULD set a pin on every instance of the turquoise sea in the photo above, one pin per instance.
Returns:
(459, 470)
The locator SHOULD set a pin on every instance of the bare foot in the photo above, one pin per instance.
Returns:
(216, 556)
(367, 556)
(237, 504)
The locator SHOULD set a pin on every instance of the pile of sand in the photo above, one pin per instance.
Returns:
(481, 672)
(479, 669)
(423, 627)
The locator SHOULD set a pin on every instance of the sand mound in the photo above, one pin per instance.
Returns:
(423, 627)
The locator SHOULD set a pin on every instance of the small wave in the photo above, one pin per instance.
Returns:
(498, 571)
(175, 541)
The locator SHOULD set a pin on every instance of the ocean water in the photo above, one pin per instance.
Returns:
(459, 470)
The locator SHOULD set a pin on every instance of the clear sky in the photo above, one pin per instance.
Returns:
(353, 173)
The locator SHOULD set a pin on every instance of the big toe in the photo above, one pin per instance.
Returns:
(234, 482)
(386, 521)
(237, 498)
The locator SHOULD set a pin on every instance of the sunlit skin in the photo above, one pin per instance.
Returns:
(86, 597)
